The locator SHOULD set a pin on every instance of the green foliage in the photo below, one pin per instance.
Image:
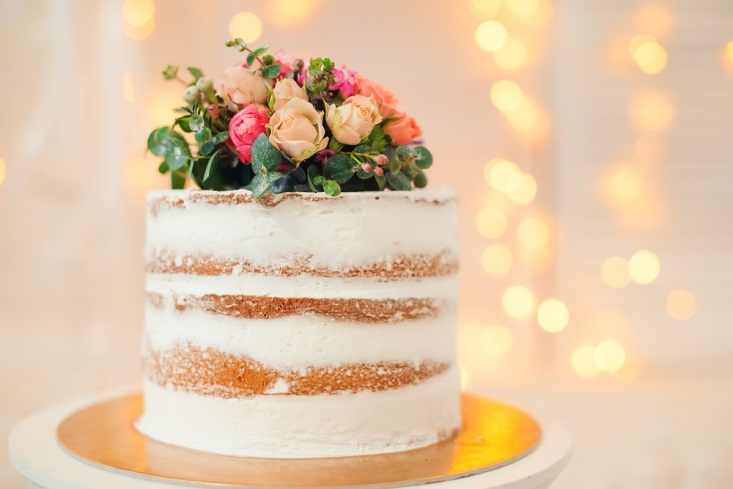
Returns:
(170, 72)
(262, 182)
(264, 155)
(332, 188)
(339, 167)
(158, 143)
(424, 159)
(398, 181)
(195, 72)
(271, 71)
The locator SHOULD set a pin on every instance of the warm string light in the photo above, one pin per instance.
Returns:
(681, 304)
(491, 222)
(490, 35)
(608, 356)
(644, 267)
(553, 315)
(518, 301)
(652, 112)
(138, 16)
(648, 54)
(289, 12)
(246, 25)
(482, 9)
(2, 171)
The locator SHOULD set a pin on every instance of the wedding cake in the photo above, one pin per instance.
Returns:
(301, 302)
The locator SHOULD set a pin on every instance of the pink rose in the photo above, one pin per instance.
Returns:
(344, 80)
(244, 128)
(402, 129)
(385, 100)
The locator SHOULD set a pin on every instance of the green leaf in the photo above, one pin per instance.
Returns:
(319, 180)
(363, 175)
(312, 175)
(178, 180)
(264, 155)
(262, 182)
(207, 148)
(363, 148)
(353, 185)
(381, 181)
(398, 181)
(203, 135)
(420, 179)
(335, 146)
(339, 168)
(404, 151)
(424, 157)
(170, 72)
(158, 141)
(250, 60)
(221, 137)
(196, 72)
(180, 142)
(175, 161)
(262, 50)
(195, 122)
(395, 166)
(163, 168)
(332, 188)
(271, 71)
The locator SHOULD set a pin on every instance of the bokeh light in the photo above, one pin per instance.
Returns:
(653, 112)
(729, 51)
(465, 379)
(498, 172)
(2, 171)
(506, 95)
(491, 222)
(521, 188)
(289, 12)
(137, 13)
(138, 33)
(490, 35)
(518, 301)
(512, 55)
(650, 148)
(648, 54)
(484, 8)
(630, 370)
(496, 340)
(609, 356)
(615, 272)
(681, 304)
(523, 8)
(583, 361)
(533, 233)
(644, 267)
(623, 184)
(246, 25)
(526, 117)
(496, 259)
(553, 315)
(127, 92)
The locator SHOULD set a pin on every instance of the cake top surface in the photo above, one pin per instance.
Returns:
(275, 124)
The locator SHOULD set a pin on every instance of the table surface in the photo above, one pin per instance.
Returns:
(36, 454)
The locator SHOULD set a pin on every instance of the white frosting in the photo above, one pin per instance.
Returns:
(352, 230)
(305, 426)
(301, 341)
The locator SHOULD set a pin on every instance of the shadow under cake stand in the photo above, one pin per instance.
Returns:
(91, 442)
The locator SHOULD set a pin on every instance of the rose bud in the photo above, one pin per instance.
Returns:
(205, 84)
(378, 171)
(213, 111)
(367, 167)
(191, 95)
(381, 160)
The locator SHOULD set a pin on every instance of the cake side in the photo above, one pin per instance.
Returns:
(301, 325)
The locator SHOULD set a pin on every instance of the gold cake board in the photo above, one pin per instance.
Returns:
(493, 435)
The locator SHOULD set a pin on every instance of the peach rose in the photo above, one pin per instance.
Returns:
(297, 129)
(354, 120)
(285, 90)
(403, 129)
(239, 86)
(385, 100)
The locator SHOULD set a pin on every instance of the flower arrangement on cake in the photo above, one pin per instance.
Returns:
(271, 124)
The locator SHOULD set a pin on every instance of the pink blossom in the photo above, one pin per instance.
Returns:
(244, 128)
(323, 156)
(385, 100)
(344, 80)
(402, 129)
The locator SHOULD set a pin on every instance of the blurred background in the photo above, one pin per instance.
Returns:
(590, 144)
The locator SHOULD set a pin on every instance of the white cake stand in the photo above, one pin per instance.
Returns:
(35, 452)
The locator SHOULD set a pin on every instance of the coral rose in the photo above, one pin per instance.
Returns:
(297, 129)
(403, 129)
(385, 100)
(244, 128)
(239, 86)
(285, 90)
(354, 120)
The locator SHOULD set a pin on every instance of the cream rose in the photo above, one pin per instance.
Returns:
(354, 120)
(239, 86)
(297, 130)
(287, 89)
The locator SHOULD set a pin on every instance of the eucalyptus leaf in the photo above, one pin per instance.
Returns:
(271, 71)
(264, 155)
(262, 182)
(203, 135)
(158, 141)
(175, 161)
(195, 122)
(339, 167)
(398, 181)
(424, 157)
(262, 50)
(332, 188)
(196, 72)
(403, 151)
(207, 148)
(420, 179)
(180, 142)
(250, 60)
(284, 184)
(163, 168)
(183, 123)
(178, 180)
(221, 137)
(381, 181)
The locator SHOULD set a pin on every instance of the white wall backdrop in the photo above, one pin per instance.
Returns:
(576, 133)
